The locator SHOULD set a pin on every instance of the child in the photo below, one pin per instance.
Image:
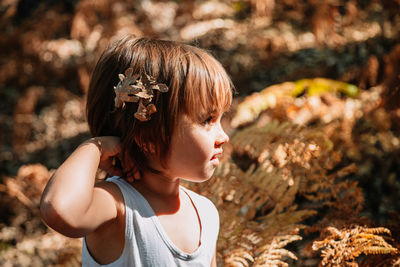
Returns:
(154, 110)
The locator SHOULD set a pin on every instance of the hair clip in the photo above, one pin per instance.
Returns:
(137, 88)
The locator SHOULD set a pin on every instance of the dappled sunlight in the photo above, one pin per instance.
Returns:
(315, 126)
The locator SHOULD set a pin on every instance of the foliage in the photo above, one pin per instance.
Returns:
(341, 247)
(321, 85)
(253, 105)
(246, 238)
(257, 206)
(35, 245)
(271, 166)
(296, 166)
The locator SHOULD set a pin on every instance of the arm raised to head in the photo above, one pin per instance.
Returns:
(71, 204)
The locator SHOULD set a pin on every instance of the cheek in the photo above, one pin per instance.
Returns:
(190, 150)
(192, 147)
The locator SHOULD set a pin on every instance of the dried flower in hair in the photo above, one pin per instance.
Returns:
(143, 113)
(137, 88)
(126, 89)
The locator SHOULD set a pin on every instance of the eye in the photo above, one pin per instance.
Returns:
(208, 120)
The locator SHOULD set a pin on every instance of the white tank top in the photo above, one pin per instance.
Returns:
(147, 243)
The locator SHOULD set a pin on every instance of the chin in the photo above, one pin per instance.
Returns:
(196, 180)
(199, 179)
(200, 176)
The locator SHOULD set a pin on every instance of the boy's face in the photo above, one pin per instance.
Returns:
(195, 148)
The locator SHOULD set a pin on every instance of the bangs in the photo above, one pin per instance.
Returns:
(208, 87)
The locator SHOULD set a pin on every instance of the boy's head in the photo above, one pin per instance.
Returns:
(197, 84)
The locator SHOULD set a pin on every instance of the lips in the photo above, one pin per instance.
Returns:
(216, 156)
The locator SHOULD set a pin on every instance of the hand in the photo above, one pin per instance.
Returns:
(110, 150)
(130, 171)
(110, 159)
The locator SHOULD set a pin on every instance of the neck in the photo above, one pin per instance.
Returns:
(158, 184)
(160, 191)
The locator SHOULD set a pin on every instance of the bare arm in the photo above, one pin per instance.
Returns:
(70, 203)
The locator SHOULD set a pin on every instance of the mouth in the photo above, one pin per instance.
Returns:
(216, 156)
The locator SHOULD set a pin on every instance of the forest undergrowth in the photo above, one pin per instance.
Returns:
(311, 176)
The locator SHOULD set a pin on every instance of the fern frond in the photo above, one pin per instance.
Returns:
(256, 202)
(256, 141)
(263, 187)
(344, 246)
(238, 258)
(380, 250)
(239, 196)
(377, 230)
(271, 254)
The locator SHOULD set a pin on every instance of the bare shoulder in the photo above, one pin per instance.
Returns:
(112, 189)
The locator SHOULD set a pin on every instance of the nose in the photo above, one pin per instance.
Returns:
(222, 137)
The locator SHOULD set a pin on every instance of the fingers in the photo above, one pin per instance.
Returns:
(111, 149)
(137, 174)
(133, 175)
(114, 166)
(111, 168)
(133, 172)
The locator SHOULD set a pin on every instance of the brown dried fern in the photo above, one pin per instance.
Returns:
(256, 205)
(256, 202)
(296, 155)
(342, 247)
(248, 239)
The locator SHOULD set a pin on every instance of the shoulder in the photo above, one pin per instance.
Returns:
(106, 243)
(114, 190)
(110, 187)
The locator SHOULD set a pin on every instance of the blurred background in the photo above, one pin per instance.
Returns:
(48, 50)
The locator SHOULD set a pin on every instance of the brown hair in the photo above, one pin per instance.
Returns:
(197, 82)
